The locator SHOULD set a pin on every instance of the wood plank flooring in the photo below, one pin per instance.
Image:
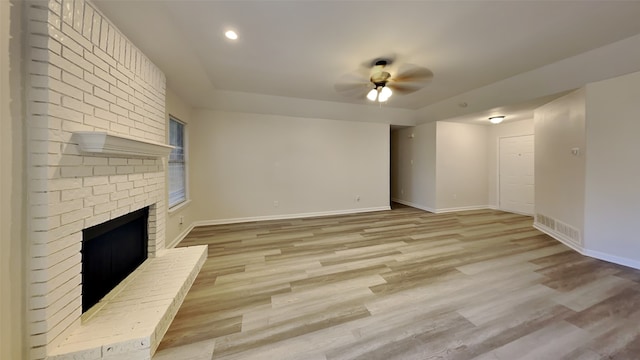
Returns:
(404, 284)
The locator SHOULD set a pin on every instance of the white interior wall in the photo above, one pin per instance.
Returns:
(461, 166)
(612, 204)
(12, 245)
(414, 166)
(176, 230)
(495, 132)
(247, 166)
(560, 175)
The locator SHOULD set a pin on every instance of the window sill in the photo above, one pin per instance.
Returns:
(179, 207)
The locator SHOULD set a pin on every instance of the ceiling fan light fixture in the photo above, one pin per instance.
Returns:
(372, 95)
(385, 94)
(496, 119)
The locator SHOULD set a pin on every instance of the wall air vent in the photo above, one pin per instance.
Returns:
(546, 221)
(560, 229)
(569, 231)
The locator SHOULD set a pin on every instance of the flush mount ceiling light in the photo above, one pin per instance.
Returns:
(230, 34)
(496, 119)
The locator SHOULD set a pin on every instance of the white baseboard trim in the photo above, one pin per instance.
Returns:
(462, 208)
(586, 252)
(180, 237)
(288, 216)
(613, 259)
(445, 210)
(417, 206)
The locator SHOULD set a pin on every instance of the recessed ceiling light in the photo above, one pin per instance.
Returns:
(230, 34)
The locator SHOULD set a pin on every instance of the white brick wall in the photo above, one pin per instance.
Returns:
(83, 75)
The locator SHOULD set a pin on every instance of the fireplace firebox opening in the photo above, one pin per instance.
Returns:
(110, 252)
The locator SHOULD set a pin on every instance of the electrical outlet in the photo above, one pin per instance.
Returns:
(357, 198)
(276, 203)
(181, 219)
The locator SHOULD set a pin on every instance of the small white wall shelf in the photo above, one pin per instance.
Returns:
(100, 142)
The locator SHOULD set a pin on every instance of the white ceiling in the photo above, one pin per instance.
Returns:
(301, 49)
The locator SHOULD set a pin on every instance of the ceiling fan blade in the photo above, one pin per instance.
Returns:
(353, 90)
(353, 85)
(413, 73)
(403, 88)
(341, 87)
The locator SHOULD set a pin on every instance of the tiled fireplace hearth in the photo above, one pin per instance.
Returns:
(84, 77)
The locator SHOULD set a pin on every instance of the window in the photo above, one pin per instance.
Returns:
(177, 164)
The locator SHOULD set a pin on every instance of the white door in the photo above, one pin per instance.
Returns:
(516, 174)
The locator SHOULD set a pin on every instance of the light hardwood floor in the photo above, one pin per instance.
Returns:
(404, 284)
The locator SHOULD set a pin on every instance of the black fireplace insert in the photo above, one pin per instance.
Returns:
(110, 252)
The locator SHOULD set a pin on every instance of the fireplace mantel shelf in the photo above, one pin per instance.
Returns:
(102, 142)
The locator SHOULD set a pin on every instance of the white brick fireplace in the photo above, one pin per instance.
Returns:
(83, 75)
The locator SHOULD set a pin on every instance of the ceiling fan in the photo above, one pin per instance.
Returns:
(380, 80)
